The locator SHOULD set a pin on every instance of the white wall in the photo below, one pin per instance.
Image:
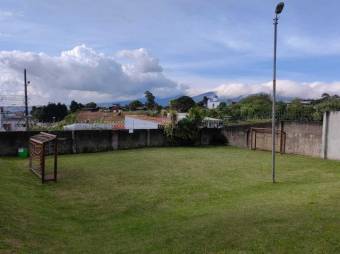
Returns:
(213, 104)
(135, 123)
(331, 136)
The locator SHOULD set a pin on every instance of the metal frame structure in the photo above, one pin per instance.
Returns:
(254, 131)
(38, 149)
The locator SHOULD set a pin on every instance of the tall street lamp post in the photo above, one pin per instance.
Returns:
(278, 10)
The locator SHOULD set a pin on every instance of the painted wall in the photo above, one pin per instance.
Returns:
(331, 136)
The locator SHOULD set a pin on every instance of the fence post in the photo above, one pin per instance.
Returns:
(325, 127)
(74, 143)
(148, 138)
(115, 140)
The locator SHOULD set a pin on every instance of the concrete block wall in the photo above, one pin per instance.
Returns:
(331, 136)
(301, 138)
(239, 136)
(85, 141)
(264, 141)
(89, 141)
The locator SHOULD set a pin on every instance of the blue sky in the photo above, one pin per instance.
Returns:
(199, 45)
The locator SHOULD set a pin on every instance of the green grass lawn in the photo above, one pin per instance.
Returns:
(172, 200)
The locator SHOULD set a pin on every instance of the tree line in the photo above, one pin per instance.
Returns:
(55, 112)
(260, 107)
(252, 107)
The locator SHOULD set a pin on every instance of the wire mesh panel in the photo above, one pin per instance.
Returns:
(36, 157)
(44, 148)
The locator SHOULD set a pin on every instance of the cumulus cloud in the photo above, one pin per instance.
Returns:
(143, 61)
(285, 88)
(85, 75)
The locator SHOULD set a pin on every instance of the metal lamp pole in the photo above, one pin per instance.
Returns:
(278, 10)
(26, 101)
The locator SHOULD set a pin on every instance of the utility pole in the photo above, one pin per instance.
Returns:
(278, 10)
(26, 102)
(274, 100)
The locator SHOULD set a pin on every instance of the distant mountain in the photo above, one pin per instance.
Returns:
(284, 98)
(197, 98)
(161, 101)
(200, 97)
(278, 98)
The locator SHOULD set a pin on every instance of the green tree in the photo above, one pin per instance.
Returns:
(331, 104)
(91, 105)
(186, 131)
(37, 113)
(297, 111)
(256, 106)
(133, 105)
(281, 109)
(222, 105)
(196, 114)
(49, 113)
(75, 106)
(182, 104)
(150, 100)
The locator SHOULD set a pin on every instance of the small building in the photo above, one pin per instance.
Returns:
(213, 102)
(144, 122)
(116, 108)
(214, 123)
(12, 121)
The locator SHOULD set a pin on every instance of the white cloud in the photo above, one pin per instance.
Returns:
(313, 46)
(143, 61)
(5, 14)
(85, 75)
(286, 88)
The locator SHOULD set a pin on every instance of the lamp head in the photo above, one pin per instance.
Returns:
(279, 7)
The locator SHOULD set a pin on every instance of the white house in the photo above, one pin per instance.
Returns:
(213, 102)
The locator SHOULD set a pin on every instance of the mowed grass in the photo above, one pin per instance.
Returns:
(172, 200)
